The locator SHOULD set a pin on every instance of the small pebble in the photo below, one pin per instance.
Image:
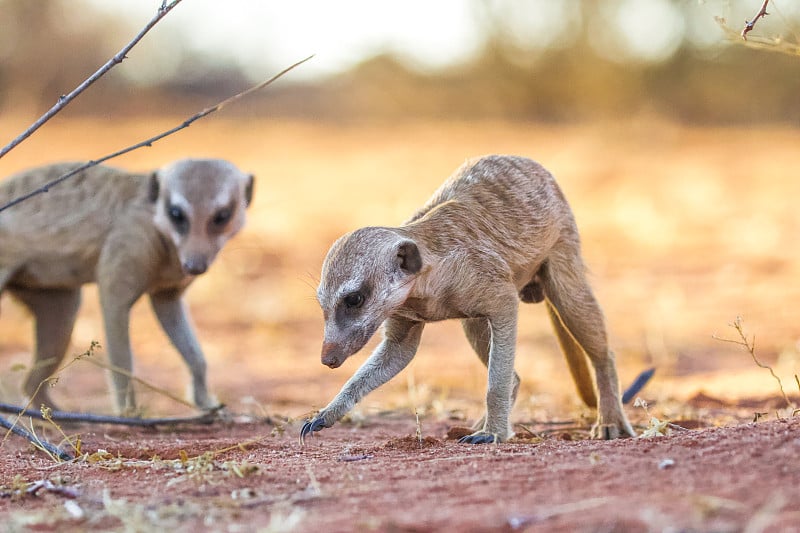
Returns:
(665, 463)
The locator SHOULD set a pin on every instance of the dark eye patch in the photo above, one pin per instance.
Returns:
(220, 219)
(178, 218)
(350, 304)
(354, 300)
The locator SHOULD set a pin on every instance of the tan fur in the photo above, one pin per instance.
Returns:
(131, 234)
(497, 231)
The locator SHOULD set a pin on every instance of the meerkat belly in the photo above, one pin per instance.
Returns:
(430, 309)
(57, 270)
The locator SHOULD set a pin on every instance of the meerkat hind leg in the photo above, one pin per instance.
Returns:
(571, 297)
(54, 311)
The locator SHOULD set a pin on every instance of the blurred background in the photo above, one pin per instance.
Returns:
(675, 141)
(511, 59)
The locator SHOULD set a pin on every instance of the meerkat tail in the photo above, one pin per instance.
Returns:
(637, 385)
(576, 359)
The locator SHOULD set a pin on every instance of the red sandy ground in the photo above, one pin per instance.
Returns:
(381, 476)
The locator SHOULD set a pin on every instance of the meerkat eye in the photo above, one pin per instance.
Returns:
(176, 215)
(354, 300)
(222, 217)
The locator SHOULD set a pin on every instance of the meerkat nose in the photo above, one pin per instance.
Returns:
(195, 265)
(328, 354)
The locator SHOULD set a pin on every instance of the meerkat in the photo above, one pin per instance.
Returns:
(131, 234)
(497, 231)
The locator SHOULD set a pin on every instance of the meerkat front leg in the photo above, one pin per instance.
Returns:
(400, 342)
(116, 319)
(54, 311)
(123, 271)
(497, 427)
(171, 311)
(479, 335)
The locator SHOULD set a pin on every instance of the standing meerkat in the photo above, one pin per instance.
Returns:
(131, 234)
(498, 230)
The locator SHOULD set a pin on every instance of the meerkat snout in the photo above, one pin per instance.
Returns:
(356, 296)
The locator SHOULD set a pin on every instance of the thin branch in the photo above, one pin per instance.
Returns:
(750, 346)
(54, 451)
(772, 44)
(63, 100)
(49, 486)
(750, 24)
(70, 416)
(149, 142)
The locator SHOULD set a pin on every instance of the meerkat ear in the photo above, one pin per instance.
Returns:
(408, 257)
(152, 193)
(248, 190)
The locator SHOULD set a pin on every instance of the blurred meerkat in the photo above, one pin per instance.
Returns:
(497, 231)
(131, 234)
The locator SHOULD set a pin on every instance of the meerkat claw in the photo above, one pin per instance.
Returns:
(478, 438)
(310, 427)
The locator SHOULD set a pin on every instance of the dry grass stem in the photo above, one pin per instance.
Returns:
(144, 383)
(750, 346)
(12, 427)
(53, 451)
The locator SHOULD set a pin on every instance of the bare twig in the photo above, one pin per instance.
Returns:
(760, 42)
(65, 99)
(207, 417)
(152, 140)
(49, 486)
(53, 379)
(349, 458)
(772, 44)
(750, 346)
(750, 24)
(54, 451)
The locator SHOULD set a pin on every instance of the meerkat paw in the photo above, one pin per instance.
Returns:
(311, 426)
(619, 430)
(201, 398)
(210, 404)
(483, 437)
(479, 437)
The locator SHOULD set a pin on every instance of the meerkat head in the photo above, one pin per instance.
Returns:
(366, 275)
(199, 205)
